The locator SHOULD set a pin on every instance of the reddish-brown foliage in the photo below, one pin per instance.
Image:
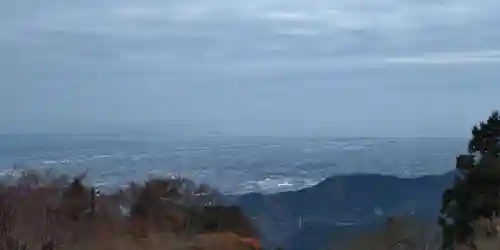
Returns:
(40, 214)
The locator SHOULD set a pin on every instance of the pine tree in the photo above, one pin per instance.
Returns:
(476, 190)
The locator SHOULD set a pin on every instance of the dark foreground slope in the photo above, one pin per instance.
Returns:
(341, 206)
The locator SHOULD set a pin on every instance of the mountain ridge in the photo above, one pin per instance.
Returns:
(310, 218)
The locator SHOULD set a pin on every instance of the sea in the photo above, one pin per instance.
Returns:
(232, 165)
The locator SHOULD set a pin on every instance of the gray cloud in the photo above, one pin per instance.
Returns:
(251, 67)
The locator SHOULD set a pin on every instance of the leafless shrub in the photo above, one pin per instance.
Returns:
(44, 211)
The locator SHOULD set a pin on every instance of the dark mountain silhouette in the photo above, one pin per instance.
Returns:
(341, 205)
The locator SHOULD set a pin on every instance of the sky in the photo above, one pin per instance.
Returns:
(261, 67)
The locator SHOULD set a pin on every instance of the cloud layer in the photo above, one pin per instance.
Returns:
(244, 65)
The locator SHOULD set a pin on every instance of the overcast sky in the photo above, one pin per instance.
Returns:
(260, 67)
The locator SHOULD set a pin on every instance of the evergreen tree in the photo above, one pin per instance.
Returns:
(476, 190)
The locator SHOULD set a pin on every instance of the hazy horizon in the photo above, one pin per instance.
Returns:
(167, 136)
(382, 68)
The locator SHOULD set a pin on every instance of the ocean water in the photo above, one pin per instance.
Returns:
(230, 164)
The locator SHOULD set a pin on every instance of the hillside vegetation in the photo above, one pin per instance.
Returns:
(40, 212)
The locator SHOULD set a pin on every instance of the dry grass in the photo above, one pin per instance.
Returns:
(410, 234)
(40, 213)
(397, 233)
